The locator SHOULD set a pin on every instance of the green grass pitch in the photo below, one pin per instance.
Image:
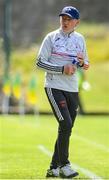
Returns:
(26, 143)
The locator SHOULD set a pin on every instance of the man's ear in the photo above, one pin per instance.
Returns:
(78, 21)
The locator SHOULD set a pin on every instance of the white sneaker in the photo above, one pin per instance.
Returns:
(67, 172)
(52, 173)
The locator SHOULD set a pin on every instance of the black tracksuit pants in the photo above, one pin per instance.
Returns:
(64, 105)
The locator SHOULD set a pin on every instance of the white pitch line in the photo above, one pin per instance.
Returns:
(86, 172)
(99, 146)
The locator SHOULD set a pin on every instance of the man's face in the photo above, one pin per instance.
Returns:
(67, 23)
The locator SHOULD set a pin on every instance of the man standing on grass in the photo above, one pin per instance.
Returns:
(61, 53)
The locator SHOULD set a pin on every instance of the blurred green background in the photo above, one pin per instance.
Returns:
(97, 39)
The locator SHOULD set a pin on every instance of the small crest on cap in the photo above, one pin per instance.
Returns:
(68, 8)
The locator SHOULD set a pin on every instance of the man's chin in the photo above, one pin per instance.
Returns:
(65, 31)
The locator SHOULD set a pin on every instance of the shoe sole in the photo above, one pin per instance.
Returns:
(70, 176)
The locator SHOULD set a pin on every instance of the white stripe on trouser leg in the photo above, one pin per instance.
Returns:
(55, 106)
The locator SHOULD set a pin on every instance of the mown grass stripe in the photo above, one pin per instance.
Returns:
(93, 144)
(86, 172)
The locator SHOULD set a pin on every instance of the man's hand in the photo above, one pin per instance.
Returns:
(80, 58)
(86, 66)
(81, 61)
(69, 69)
